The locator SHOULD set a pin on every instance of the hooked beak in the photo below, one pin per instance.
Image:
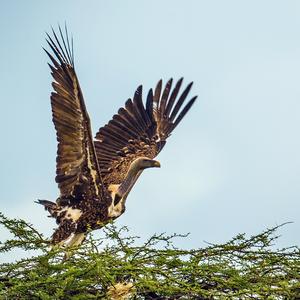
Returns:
(156, 164)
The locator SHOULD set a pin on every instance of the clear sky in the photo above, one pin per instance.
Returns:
(232, 165)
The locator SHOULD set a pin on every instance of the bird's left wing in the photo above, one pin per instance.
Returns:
(77, 164)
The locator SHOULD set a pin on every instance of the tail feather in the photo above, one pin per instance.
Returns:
(51, 207)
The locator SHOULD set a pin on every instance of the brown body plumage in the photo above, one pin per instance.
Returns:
(95, 176)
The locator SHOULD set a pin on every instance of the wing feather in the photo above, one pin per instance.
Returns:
(76, 163)
(173, 96)
(184, 111)
(138, 130)
(165, 96)
(180, 101)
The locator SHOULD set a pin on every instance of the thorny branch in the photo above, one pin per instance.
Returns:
(119, 265)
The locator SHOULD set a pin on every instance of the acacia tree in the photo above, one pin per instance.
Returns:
(120, 266)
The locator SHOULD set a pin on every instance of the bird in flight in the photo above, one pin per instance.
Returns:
(95, 175)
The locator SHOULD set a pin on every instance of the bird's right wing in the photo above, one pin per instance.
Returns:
(138, 130)
(77, 164)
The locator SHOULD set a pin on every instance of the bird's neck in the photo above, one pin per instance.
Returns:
(120, 193)
(129, 181)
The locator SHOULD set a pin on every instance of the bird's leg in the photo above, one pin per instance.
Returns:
(72, 242)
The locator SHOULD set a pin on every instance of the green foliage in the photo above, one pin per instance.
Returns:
(115, 266)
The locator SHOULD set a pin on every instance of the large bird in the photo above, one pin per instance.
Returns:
(94, 176)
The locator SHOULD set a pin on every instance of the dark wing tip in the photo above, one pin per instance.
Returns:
(179, 82)
(189, 86)
(139, 90)
(60, 46)
(184, 111)
(128, 101)
(180, 101)
(157, 92)
(171, 109)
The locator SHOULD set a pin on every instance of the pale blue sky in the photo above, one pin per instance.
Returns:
(231, 166)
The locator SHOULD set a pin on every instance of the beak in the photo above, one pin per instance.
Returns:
(156, 164)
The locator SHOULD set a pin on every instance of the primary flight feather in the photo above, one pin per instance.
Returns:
(95, 175)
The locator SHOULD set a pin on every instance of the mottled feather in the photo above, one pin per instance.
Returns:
(138, 130)
(77, 169)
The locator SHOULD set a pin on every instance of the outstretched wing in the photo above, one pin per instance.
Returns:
(77, 167)
(138, 130)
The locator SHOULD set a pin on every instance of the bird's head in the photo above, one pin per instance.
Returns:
(142, 163)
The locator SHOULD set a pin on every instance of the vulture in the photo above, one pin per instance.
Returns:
(95, 175)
